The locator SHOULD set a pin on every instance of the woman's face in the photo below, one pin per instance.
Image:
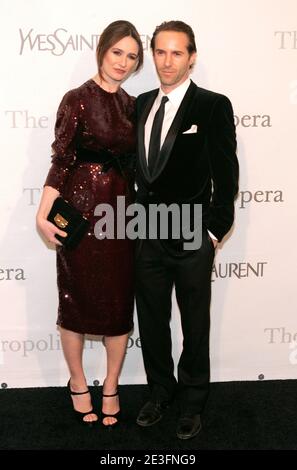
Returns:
(120, 60)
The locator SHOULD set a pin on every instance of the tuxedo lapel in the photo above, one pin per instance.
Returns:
(141, 136)
(183, 111)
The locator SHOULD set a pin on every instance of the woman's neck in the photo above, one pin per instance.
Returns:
(110, 87)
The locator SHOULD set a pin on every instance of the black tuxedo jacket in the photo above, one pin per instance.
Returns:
(193, 168)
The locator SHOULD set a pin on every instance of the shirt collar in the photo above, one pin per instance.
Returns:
(175, 96)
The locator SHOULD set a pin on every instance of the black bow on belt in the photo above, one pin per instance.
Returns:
(107, 159)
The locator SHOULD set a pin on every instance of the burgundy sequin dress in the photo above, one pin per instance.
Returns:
(95, 280)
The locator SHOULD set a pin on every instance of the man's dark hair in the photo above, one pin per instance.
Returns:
(179, 27)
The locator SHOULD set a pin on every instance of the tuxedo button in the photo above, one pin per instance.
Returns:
(151, 193)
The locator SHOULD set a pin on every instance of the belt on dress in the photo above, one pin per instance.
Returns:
(107, 159)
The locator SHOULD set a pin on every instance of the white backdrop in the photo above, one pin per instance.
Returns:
(246, 50)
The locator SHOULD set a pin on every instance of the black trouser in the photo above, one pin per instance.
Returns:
(156, 272)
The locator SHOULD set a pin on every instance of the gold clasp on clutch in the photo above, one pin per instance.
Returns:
(60, 221)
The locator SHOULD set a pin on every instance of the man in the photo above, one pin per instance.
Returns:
(186, 155)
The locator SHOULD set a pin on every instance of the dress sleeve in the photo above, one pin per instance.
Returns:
(64, 145)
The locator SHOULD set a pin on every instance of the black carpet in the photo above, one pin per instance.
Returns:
(238, 415)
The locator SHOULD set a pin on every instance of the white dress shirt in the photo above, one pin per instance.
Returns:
(175, 98)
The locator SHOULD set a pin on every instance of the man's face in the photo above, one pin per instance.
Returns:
(172, 58)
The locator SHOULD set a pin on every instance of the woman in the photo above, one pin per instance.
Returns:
(95, 123)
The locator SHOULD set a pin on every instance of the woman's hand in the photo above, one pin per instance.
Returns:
(49, 230)
(46, 228)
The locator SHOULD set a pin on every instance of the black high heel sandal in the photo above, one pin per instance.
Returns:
(115, 415)
(79, 414)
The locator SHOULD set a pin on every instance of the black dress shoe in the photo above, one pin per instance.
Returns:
(188, 426)
(150, 413)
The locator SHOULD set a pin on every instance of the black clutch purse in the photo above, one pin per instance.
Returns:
(67, 218)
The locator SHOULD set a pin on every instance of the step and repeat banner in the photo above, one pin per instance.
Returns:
(247, 51)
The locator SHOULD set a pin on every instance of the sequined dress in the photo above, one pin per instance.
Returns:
(95, 280)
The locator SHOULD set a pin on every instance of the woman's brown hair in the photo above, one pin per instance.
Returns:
(112, 34)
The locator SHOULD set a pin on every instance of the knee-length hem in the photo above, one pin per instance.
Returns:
(95, 332)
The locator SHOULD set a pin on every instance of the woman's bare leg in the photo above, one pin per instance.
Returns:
(73, 344)
(116, 347)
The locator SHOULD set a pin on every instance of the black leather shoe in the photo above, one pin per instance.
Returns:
(188, 426)
(150, 413)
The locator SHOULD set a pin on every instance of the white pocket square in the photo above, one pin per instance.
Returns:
(192, 129)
